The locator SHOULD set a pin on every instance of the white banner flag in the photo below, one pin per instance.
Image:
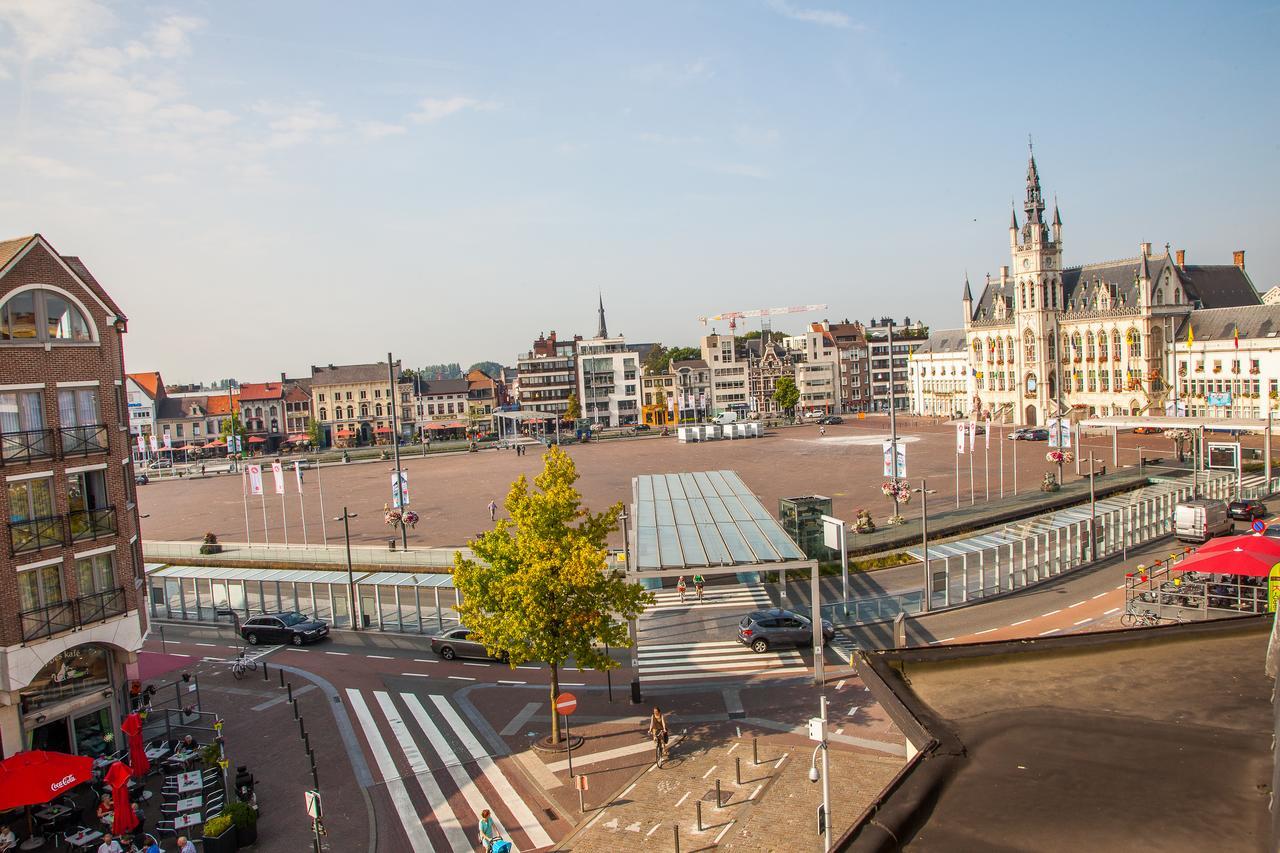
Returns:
(255, 479)
(1065, 429)
(168, 444)
(400, 490)
(1052, 424)
(142, 444)
(902, 461)
(988, 436)
(886, 448)
(973, 434)
(960, 438)
(277, 471)
(155, 446)
(297, 474)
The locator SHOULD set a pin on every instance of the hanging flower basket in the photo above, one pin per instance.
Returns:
(901, 492)
(863, 522)
(1058, 457)
(410, 518)
(1049, 484)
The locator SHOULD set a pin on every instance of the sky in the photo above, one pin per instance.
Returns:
(267, 186)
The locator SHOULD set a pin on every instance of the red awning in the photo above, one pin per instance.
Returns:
(216, 443)
(1236, 561)
(383, 429)
(35, 777)
(344, 433)
(455, 425)
(257, 439)
(299, 437)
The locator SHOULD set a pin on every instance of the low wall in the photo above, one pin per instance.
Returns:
(296, 556)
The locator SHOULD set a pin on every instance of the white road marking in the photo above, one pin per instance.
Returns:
(292, 649)
(1083, 621)
(652, 831)
(461, 678)
(390, 775)
(1111, 611)
(947, 640)
(756, 791)
(207, 645)
(722, 832)
(344, 654)
(416, 674)
(732, 748)
(528, 667)
(987, 631)
(840, 684)
(680, 801)
(1077, 604)
(1016, 624)
(709, 771)
(380, 657)
(425, 660)
(780, 760)
(1051, 631)
(466, 663)
(512, 682)
(1050, 613)
(1099, 595)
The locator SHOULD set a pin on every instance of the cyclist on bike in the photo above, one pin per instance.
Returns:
(681, 587)
(698, 583)
(658, 729)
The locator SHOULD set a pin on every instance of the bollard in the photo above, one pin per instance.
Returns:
(718, 794)
(737, 769)
(302, 731)
(755, 750)
(306, 741)
(315, 780)
(294, 705)
(281, 673)
(289, 687)
(698, 804)
(676, 827)
(264, 671)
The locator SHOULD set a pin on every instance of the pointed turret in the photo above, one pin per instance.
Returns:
(1013, 225)
(602, 331)
(967, 301)
(968, 294)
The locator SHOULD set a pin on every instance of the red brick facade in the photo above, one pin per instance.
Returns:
(26, 364)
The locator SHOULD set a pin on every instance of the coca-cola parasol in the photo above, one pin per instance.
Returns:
(37, 776)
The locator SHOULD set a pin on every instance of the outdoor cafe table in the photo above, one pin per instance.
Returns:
(189, 782)
(155, 753)
(50, 813)
(84, 838)
(182, 821)
(189, 804)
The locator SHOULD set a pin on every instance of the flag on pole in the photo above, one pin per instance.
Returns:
(255, 479)
(168, 443)
(1236, 336)
(1191, 335)
(297, 474)
(277, 471)
(155, 446)
(142, 444)
(400, 489)
(886, 448)
(960, 438)
(973, 434)
(987, 439)
(1064, 432)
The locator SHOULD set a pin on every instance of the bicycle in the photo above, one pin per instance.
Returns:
(1139, 619)
(661, 747)
(243, 665)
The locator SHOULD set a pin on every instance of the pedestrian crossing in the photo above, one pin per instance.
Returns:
(746, 597)
(726, 659)
(843, 646)
(438, 775)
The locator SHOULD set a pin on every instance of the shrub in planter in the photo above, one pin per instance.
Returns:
(246, 822)
(210, 545)
(219, 835)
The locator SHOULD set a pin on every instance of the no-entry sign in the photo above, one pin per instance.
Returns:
(566, 703)
(1259, 526)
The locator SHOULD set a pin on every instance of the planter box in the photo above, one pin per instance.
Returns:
(224, 843)
(247, 835)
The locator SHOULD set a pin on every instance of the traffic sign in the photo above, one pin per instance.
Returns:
(312, 799)
(582, 782)
(1259, 526)
(566, 703)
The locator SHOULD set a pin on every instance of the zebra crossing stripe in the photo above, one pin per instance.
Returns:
(390, 776)
(444, 815)
(461, 778)
(506, 793)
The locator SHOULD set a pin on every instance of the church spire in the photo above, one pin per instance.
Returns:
(1034, 205)
(602, 331)
(968, 294)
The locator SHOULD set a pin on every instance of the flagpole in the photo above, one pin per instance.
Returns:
(302, 507)
(972, 449)
(986, 460)
(284, 517)
(1002, 461)
(324, 530)
(244, 493)
(265, 535)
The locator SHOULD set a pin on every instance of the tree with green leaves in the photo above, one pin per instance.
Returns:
(540, 587)
(233, 426)
(489, 368)
(657, 360)
(574, 411)
(786, 394)
(660, 400)
(315, 433)
(683, 354)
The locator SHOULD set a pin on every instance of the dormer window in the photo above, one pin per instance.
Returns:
(43, 315)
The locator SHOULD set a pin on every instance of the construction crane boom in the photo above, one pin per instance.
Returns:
(734, 316)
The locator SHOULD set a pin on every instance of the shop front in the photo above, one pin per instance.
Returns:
(72, 703)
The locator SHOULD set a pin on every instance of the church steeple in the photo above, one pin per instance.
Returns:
(1034, 205)
(602, 330)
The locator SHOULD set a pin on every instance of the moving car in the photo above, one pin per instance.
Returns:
(1247, 510)
(831, 419)
(1147, 430)
(762, 629)
(160, 464)
(1018, 434)
(725, 418)
(1201, 520)
(640, 427)
(1036, 434)
(291, 627)
(456, 643)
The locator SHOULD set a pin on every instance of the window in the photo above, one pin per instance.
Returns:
(363, 395)
(195, 430)
(39, 587)
(22, 428)
(348, 395)
(351, 412)
(321, 395)
(179, 431)
(324, 413)
(43, 315)
(95, 574)
(364, 410)
(32, 523)
(272, 411)
(377, 393)
(377, 410)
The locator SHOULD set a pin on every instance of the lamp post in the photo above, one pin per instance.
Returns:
(351, 583)
(395, 447)
(924, 492)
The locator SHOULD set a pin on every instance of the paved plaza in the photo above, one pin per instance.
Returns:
(451, 492)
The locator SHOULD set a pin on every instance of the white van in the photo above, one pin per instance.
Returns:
(725, 418)
(1201, 520)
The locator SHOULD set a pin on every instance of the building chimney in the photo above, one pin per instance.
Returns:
(1237, 258)
(1144, 249)
(1180, 257)
(1004, 273)
(282, 377)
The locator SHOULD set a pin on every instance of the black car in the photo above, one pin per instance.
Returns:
(1247, 510)
(831, 419)
(641, 427)
(1036, 435)
(762, 629)
(290, 627)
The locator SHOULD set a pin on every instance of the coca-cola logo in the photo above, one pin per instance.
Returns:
(69, 779)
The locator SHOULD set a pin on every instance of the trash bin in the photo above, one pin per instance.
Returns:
(391, 544)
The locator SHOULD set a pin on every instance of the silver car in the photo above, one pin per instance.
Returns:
(761, 629)
(456, 643)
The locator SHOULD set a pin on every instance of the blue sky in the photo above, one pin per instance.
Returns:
(264, 186)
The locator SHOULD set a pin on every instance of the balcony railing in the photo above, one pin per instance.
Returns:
(63, 616)
(35, 534)
(84, 440)
(91, 523)
(26, 446)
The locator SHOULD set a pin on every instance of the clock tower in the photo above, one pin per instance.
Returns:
(1037, 273)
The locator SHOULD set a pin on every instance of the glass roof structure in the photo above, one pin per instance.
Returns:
(706, 518)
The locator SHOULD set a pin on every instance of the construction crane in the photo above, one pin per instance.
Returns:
(734, 316)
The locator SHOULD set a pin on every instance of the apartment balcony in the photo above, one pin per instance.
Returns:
(26, 446)
(91, 523)
(36, 534)
(60, 616)
(83, 440)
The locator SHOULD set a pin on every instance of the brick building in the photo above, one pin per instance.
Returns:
(71, 563)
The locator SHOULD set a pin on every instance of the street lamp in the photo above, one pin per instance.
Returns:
(351, 584)
(924, 491)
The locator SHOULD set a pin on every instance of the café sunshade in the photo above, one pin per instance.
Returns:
(37, 776)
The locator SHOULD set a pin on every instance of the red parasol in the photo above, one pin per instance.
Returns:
(117, 777)
(132, 727)
(1236, 561)
(35, 777)
(1260, 545)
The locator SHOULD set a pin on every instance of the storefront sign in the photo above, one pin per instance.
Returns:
(77, 670)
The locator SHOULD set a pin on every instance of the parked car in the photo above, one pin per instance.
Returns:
(291, 627)
(1247, 510)
(457, 644)
(1036, 434)
(1201, 520)
(1018, 434)
(831, 419)
(725, 418)
(763, 629)
(979, 429)
(1148, 430)
(641, 427)
(160, 464)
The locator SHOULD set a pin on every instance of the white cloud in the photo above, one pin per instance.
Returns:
(296, 124)
(434, 109)
(52, 28)
(40, 165)
(821, 17)
(379, 129)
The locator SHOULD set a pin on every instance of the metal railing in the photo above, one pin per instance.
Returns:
(59, 616)
(1169, 593)
(83, 440)
(101, 606)
(26, 446)
(91, 523)
(35, 534)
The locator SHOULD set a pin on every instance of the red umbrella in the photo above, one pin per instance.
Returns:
(1261, 545)
(35, 777)
(118, 775)
(1236, 561)
(132, 727)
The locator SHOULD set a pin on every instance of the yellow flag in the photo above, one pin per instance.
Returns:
(1191, 335)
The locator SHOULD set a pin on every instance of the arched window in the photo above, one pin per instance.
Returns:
(275, 425)
(1009, 350)
(324, 416)
(1177, 296)
(991, 349)
(257, 412)
(1029, 346)
(1135, 343)
(977, 350)
(1088, 345)
(351, 412)
(1052, 340)
(43, 315)
(1066, 347)
(1115, 343)
(1076, 352)
(272, 411)
(364, 410)
(377, 410)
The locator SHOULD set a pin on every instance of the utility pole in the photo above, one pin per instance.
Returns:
(395, 447)
(351, 583)
(924, 543)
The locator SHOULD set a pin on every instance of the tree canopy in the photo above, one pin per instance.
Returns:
(490, 368)
(575, 408)
(540, 587)
(786, 394)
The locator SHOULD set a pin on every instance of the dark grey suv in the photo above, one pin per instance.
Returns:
(763, 629)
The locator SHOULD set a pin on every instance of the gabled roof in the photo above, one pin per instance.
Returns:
(221, 405)
(78, 267)
(9, 249)
(350, 374)
(151, 383)
(1219, 285)
(1220, 324)
(943, 341)
(296, 394)
(178, 408)
(438, 387)
(261, 391)
(688, 364)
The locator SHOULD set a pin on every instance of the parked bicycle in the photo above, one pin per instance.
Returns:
(242, 664)
(1139, 619)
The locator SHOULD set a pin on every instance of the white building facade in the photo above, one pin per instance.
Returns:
(941, 380)
(608, 381)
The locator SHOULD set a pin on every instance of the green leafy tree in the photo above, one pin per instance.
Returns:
(683, 354)
(490, 368)
(314, 433)
(575, 408)
(660, 399)
(233, 426)
(657, 360)
(540, 587)
(786, 394)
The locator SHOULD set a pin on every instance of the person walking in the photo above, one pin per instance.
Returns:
(681, 587)
(698, 583)
(493, 511)
(488, 830)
